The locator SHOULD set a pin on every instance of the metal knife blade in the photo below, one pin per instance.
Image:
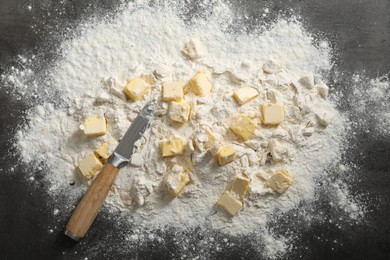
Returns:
(123, 152)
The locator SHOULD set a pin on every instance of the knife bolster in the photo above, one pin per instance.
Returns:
(117, 160)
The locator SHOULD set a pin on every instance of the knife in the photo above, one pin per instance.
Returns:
(89, 206)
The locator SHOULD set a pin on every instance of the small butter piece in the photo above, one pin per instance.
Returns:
(230, 204)
(323, 89)
(272, 67)
(240, 185)
(172, 147)
(243, 127)
(272, 114)
(137, 88)
(203, 138)
(179, 111)
(90, 165)
(194, 49)
(176, 180)
(94, 126)
(200, 84)
(324, 118)
(307, 81)
(280, 181)
(245, 94)
(173, 91)
(104, 151)
(225, 155)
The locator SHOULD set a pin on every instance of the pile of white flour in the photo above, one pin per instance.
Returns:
(96, 64)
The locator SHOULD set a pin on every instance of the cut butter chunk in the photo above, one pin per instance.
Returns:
(225, 155)
(307, 81)
(323, 89)
(94, 126)
(194, 49)
(240, 185)
(104, 151)
(229, 203)
(179, 111)
(272, 114)
(272, 67)
(200, 84)
(173, 91)
(172, 147)
(176, 179)
(280, 181)
(90, 165)
(137, 88)
(245, 94)
(243, 127)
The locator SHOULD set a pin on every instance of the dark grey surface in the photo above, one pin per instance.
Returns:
(359, 31)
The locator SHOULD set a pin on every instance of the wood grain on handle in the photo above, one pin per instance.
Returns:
(90, 204)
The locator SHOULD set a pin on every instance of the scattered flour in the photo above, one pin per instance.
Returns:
(372, 95)
(94, 67)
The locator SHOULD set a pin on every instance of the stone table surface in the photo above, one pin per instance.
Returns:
(358, 30)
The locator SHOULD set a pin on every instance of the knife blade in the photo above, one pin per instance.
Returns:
(89, 206)
(123, 152)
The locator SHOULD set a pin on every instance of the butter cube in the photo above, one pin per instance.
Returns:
(176, 180)
(280, 181)
(323, 89)
(245, 94)
(230, 204)
(104, 151)
(179, 111)
(272, 114)
(225, 155)
(194, 49)
(94, 126)
(137, 88)
(90, 165)
(243, 127)
(200, 84)
(240, 185)
(272, 67)
(172, 147)
(203, 138)
(173, 91)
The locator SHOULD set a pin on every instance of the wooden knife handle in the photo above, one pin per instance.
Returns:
(89, 206)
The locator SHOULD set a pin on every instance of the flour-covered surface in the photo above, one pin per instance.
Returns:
(312, 144)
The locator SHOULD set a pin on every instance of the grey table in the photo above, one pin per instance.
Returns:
(359, 31)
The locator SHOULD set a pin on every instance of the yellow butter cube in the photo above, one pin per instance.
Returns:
(137, 88)
(179, 111)
(176, 180)
(280, 181)
(90, 165)
(243, 127)
(173, 91)
(200, 84)
(103, 152)
(94, 126)
(229, 203)
(172, 147)
(272, 114)
(226, 155)
(240, 185)
(245, 94)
